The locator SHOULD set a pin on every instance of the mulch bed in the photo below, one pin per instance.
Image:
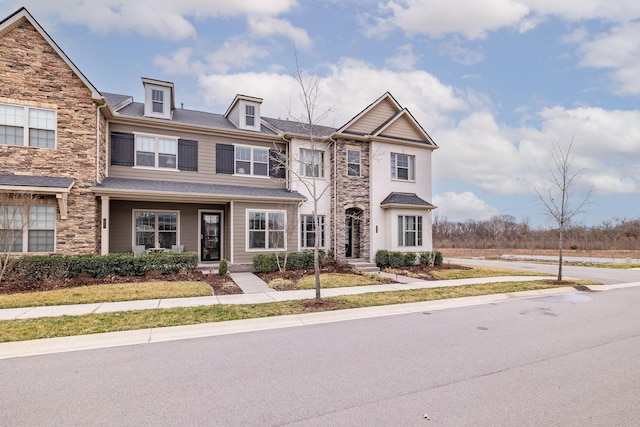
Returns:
(221, 285)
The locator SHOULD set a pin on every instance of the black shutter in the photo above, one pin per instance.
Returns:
(224, 158)
(187, 155)
(122, 149)
(277, 164)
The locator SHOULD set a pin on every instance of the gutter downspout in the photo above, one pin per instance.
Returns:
(335, 197)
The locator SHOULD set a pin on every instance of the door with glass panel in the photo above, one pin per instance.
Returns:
(210, 236)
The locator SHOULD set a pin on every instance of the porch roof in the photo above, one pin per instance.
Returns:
(51, 185)
(141, 189)
(401, 200)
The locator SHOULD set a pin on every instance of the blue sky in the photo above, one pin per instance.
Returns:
(495, 83)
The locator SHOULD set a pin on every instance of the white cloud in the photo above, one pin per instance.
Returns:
(405, 59)
(619, 51)
(463, 55)
(235, 53)
(266, 26)
(463, 206)
(167, 19)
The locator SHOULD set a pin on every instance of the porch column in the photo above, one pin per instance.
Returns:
(104, 226)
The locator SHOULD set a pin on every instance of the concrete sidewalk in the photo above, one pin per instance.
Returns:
(256, 297)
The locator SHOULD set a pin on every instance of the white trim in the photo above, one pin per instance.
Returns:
(26, 125)
(266, 240)
(156, 231)
(105, 225)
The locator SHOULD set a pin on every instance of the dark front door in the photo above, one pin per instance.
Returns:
(352, 233)
(210, 229)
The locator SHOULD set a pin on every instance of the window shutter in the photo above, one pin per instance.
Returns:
(277, 164)
(122, 149)
(224, 158)
(187, 155)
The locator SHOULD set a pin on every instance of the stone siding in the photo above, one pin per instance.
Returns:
(351, 192)
(34, 75)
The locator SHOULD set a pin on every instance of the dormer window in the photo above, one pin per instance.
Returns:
(250, 115)
(157, 101)
(158, 98)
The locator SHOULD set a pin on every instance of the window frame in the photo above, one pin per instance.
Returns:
(309, 168)
(157, 230)
(157, 102)
(305, 233)
(252, 161)
(411, 167)
(28, 229)
(157, 151)
(404, 233)
(30, 125)
(250, 115)
(268, 232)
(349, 163)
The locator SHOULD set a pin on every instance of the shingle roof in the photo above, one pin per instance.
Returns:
(190, 188)
(405, 199)
(35, 181)
(114, 99)
(291, 126)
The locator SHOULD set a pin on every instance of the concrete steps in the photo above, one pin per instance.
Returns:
(363, 265)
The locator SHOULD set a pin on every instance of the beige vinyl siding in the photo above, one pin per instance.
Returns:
(403, 128)
(372, 120)
(121, 228)
(206, 173)
(241, 255)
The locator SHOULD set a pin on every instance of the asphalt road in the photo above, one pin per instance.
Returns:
(561, 360)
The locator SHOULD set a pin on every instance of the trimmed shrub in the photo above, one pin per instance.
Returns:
(426, 258)
(267, 263)
(437, 258)
(223, 268)
(396, 259)
(382, 258)
(409, 258)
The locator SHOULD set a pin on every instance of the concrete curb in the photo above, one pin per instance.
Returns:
(156, 335)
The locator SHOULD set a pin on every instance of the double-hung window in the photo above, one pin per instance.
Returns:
(156, 152)
(266, 229)
(409, 230)
(157, 101)
(403, 167)
(156, 229)
(353, 162)
(311, 163)
(308, 232)
(251, 160)
(250, 115)
(32, 228)
(27, 126)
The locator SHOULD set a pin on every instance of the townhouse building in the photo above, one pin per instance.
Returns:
(112, 174)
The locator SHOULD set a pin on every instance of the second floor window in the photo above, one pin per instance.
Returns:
(27, 126)
(403, 167)
(157, 101)
(156, 152)
(312, 163)
(251, 160)
(353, 162)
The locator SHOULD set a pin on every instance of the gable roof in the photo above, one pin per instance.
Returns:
(22, 15)
(385, 118)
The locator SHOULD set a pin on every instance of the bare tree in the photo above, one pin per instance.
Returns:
(558, 200)
(14, 218)
(307, 167)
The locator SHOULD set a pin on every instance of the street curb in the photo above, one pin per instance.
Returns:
(157, 335)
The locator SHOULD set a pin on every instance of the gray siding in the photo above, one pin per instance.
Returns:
(206, 160)
(241, 255)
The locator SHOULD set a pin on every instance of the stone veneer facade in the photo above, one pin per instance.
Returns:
(351, 192)
(33, 74)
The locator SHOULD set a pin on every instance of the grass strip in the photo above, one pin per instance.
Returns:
(49, 327)
(107, 293)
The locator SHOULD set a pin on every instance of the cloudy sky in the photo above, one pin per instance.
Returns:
(496, 83)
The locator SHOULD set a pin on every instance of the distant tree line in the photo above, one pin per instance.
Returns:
(503, 232)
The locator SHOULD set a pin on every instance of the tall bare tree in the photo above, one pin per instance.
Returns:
(14, 218)
(558, 200)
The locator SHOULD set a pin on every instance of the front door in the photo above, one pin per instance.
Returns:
(210, 236)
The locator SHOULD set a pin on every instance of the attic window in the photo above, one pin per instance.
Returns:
(250, 115)
(157, 101)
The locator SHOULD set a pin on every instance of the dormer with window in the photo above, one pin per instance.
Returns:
(158, 98)
(244, 112)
